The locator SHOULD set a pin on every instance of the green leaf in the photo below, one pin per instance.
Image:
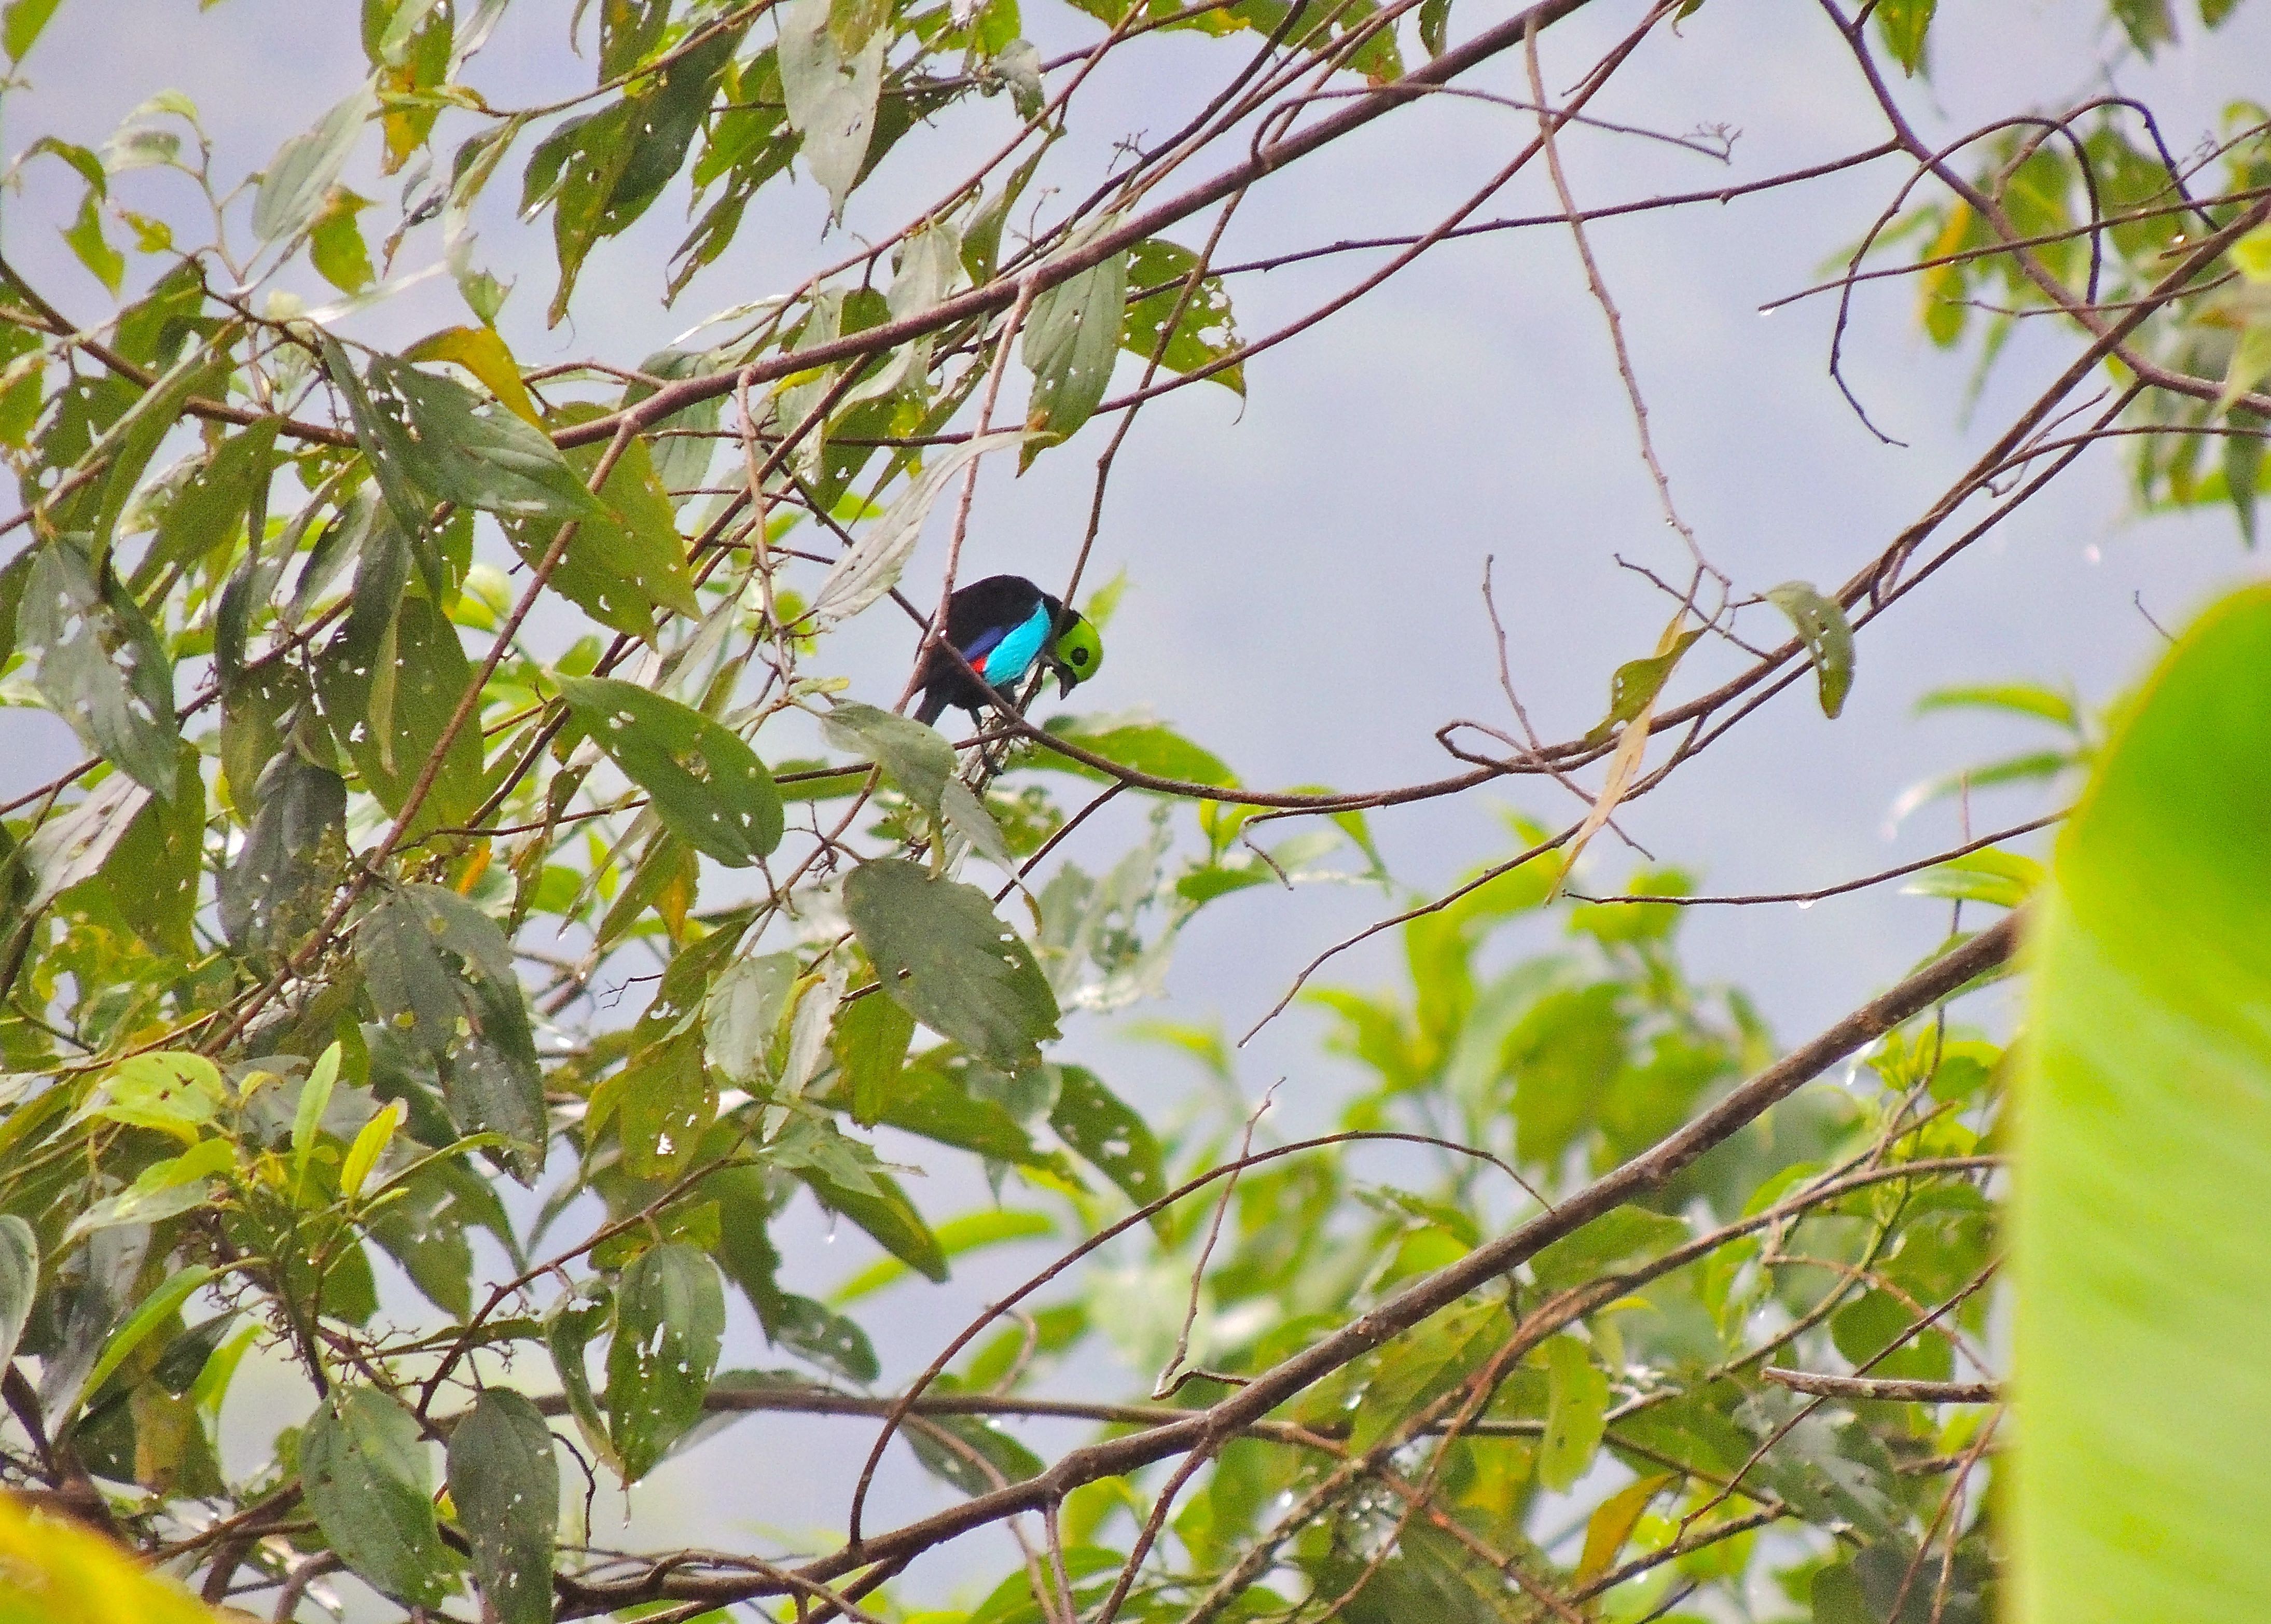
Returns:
(927, 1102)
(1426, 1361)
(162, 1190)
(670, 1314)
(603, 170)
(308, 1115)
(970, 1233)
(942, 952)
(1108, 1135)
(22, 23)
(2147, 23)
(85, 235)
(708, 785)
(69, 850)
(982, 1446)
(277, 887)
(1577, 1399)
(1072, 334)
(210, 508)
(741, 1007)
(504, 1481)
(1611, 1524)
(573, 1321)
(1836, 1596)
(1206, 331)
(1633, 686)
(158, 1307)
(1435, 27)
(370, 1143)
(2020, 698)
(2004, 878)
(365, 1475)
(1875, 1329)
(1145, 746)
(623, 563)
(174, 1091)
(304, 168)
(2035, 766)
(441, 974)
(483, 352)
(20, 1281)
(870, 1041)
(100, 667)
(1904, 25)
(335, 245)
(2250, 363)
(665, 1099)
(1822, 625)
(152, 872)
(1620, 1239)
(823, 1336)
(388, 704)
(2242, 468)
(489, 458)
(2142, 1144)
(886, 1214)
(916, 758)
(628, 32)
(831, 88)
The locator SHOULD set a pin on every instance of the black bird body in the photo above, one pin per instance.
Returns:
(1004, 625)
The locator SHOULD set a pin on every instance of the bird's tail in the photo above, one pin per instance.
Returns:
(933, 705)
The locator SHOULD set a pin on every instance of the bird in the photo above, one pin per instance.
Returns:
(1004, 625)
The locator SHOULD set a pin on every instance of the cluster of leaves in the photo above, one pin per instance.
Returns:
(2085, 215)
(269, 1013)
(1617, 1380)
(275, 1018)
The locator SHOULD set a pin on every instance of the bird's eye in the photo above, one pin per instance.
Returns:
(1080, 656)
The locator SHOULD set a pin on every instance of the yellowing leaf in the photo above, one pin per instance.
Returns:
(1612, 1523)
(368, 1144)
(481, 351)
(53, 1571)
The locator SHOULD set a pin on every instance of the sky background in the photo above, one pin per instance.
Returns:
(1304, 565)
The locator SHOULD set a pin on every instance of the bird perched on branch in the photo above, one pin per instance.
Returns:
(1004, 625)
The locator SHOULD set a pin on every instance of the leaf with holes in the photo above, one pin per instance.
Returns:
(365, 1475)
(831, 89)
(99, 665)
(708, 785)
(917, 759)
(626, 563)
(943, 953)
(279, 884)
(1204, 333)
(670, 1315)
(1108, 1135)
(1072, 334)
(441, 974)
(506, 1483)
(1822, 625)
(390, 704)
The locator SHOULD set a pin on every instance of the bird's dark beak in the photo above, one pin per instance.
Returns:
(1064, 676)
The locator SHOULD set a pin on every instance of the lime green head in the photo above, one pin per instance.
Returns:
(1076, 654)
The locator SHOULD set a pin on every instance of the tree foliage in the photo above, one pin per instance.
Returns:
(1593, 1305)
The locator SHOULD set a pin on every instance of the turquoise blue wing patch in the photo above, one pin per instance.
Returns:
(1014, 654)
